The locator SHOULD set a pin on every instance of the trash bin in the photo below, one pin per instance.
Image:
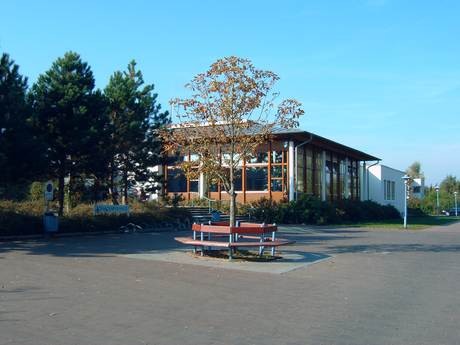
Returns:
(215, 216)
(50, 222)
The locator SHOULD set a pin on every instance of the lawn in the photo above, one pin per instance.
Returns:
(413, 223)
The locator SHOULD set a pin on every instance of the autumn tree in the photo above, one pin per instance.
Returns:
(230, 112)
(415, 170)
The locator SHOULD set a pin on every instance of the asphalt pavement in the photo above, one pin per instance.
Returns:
(373, 287)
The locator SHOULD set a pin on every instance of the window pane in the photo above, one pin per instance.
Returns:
(277, 186)
(194, 186)
(277, 156)
(257, 179)
(177, 182)
(259, 157)
(276, 171)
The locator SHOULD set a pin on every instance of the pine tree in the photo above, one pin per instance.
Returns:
(20, 152)
(62, 101)
(135, 116)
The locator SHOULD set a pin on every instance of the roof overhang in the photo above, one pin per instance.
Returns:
(300, 136)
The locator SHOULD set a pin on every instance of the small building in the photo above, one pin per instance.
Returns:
(292, 163)
(386, 186)
(418, 188)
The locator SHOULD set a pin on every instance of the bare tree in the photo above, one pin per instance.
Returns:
(230, 113)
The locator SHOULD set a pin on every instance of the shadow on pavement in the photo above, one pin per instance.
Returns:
(96, 245)
(392, 248)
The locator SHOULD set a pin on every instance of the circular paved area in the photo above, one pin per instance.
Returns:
(377, 287)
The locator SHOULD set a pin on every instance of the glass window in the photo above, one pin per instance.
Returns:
(194, 186)
(177, 182)
(276, 171)
(277, 156)
(277, 185)
(213, 187)
(257, 179)
(238, 180)
(259, 157)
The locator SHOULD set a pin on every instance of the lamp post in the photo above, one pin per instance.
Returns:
(436, 188)
(456, 211)
(406, 179)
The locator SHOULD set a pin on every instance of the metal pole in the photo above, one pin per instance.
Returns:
(405, 204)
(437, 201)
(456, 212)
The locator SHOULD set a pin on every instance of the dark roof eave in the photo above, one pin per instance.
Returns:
(316, 140)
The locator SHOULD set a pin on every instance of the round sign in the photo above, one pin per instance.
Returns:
(49, 191)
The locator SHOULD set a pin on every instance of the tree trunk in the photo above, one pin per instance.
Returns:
(125, 187)
(96, 190)
(112, 184)
(232, 207)
(61, 176)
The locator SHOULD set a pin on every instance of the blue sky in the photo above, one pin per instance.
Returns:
(379, 75)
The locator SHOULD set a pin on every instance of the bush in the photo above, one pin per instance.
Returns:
(311, 210)
(36, 191)
(24, 218)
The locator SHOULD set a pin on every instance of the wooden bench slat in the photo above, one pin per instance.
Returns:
(191, 241)
(275, 243)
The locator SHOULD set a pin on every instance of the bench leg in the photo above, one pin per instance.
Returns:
(273, 239)
(230, 254)
(202, 239)
(194, 247)
(261, 248)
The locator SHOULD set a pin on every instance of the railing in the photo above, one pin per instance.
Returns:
(211, 202)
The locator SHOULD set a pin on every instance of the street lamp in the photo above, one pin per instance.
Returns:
(455, 196)
(406, 179)
(436, 188)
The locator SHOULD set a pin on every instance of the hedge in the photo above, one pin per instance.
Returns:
(311, 210)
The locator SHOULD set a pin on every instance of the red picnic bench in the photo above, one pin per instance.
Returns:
(221, 235)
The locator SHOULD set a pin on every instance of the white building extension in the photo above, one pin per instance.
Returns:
(386, 186)
(418, 188)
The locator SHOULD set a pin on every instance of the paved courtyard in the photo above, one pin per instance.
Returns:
(335, 286)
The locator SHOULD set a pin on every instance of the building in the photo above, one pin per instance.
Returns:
(418, 188)
(292, 163)
(386, 186)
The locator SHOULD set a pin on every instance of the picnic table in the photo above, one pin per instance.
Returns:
(244, 235)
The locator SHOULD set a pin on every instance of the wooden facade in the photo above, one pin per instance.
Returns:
(325, 169)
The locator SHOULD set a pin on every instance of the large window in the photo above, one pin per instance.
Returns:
(318, 164)
(257, 179)
(389, 190)
(258, 158)
(309, 169)
(177, 181)
(278, 171)
(328, 176)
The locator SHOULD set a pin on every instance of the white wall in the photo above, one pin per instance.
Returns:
(377, 175)
(418, 182)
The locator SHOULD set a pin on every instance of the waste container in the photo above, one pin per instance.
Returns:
(50, 222)
(215, 216)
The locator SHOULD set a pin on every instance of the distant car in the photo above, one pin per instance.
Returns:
(452, 211)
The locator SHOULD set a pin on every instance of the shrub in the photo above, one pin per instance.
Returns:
(36, 191)
(311, 210)
(23, 218)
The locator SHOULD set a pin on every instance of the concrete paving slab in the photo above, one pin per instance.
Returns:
(290, 260)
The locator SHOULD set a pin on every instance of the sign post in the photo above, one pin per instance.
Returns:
(49, 192)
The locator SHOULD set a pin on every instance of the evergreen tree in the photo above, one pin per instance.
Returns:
(135, 116)
(20, 152)
(63, 105)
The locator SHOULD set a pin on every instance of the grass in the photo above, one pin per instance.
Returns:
(413, 223)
